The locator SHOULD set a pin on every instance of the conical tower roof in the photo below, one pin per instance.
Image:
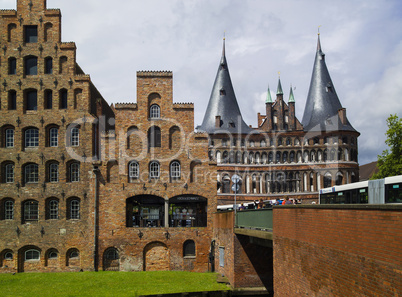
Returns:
(322, 105)
(223, 103)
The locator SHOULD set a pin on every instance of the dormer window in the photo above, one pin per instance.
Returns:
(231, 124)
(222, 92)
(154, 111)
(31, 34)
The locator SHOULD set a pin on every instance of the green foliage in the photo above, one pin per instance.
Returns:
(390, 162)
(107, 283)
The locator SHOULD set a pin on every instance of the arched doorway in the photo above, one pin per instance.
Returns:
(156, 257)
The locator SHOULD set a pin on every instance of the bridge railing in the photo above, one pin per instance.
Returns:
(261, 219)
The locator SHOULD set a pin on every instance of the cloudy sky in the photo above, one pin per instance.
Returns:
(362, 40)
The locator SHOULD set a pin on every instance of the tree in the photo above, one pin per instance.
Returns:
(390, 162)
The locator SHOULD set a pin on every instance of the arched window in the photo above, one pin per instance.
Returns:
(63, 99)
(8, 256)
(327, 180)
(31, 65)
(263, 143)
(52, 254)
(75, 136)
(285, 157)
(31, 100)
(8, 173)
(133, 171)
(73, 254)
(292, 157)
(154, 171)
(54, 137)
(53, 172)
(278, 157)
(175, 171)
(154, 111)
(52, 209)
(48, 65)
(31, 174)
(12, 66)
(31, 137)
(31, 210)
(74, 170)
(339, 179)
(73, 209)
(11, 32)
(288, 141)
(63, 65)
(154, 137)
(226, 184)
(112, 254)
(218, 157)
(8, 209)
(48, 32)
(32, 255)
(280, 141)
(270, 157)
(189, 248)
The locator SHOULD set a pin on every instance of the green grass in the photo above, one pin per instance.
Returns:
(106, 283)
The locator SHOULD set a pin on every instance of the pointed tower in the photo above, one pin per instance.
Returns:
(268, 110)
(223, 112)
(322, 105)
(292, 110)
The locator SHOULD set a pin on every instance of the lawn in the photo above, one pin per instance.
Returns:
(106, 283)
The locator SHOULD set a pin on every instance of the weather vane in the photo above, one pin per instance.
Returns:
(319, 29)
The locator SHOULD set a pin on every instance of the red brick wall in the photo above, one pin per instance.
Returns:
(337, 250)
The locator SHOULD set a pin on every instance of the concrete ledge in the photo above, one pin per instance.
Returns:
(393, 206)
(254, 233)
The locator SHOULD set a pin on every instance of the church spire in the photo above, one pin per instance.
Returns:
(291, 97)
(322, 105)
(269, 98)
(279, 90)
(223, 112)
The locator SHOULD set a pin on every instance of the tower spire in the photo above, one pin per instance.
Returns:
(291, 97)
(279, 90)
(269, 98)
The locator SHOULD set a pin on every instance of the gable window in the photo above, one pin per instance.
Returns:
(154, 111)
(48, 65)
(31, 211)
(75, 172)
(154, 169)
(12, 100)
(12, 66)
(31, 34)
(32, 137)
(48, 99)
(175, 171)
(31, 98)
(63, 99)
(9, 173)
(32, 255)
(154, 137)
(53, 137)
(9, 210)
(9, 140)
(31, 173)
(133, 170)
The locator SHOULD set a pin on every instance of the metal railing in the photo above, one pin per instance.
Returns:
(261, 219)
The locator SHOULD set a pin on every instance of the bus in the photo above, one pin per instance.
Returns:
(380, 191)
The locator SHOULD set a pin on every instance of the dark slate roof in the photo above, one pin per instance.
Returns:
(322, 105)
(223, 103)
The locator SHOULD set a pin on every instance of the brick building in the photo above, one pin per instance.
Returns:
(281, 156)
(131, 186)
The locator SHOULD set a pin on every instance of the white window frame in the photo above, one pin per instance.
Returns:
(154, 111)
(175, 170)
(34, 255)
(9, 138)
(75, 172)
(75, 209)
(54, 137)
(53, 209)
(9, 173)
(31, 174)
(31, 211)
(75, 136)
(133, 170)
(154, 169)
(53, 172)
(9, 210)
(32, 137)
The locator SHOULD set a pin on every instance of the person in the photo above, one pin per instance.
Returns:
(287, 201)
(278, 201)
(260, 204)
(242, 207)
(284, 201)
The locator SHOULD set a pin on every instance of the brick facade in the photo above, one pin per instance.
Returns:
(337, 250)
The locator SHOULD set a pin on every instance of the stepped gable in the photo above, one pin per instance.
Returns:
(323, 110)
(223, 112)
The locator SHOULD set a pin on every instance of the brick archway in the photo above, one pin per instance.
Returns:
(156, 257)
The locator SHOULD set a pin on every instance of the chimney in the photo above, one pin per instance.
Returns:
(342, 115)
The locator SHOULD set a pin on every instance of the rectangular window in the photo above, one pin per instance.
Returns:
(54, 137)
(221, 256)
(9, 173)
(31, 34)
(31, 211)
(53, 173)
(12, 66)
(32, 138)
(10, 138)
(12, 100)
(9, 210)
(31, 100)
(75, 137)
(75, 172)
(53, 210)
(48, 66)
(48, 99)
(63, 99)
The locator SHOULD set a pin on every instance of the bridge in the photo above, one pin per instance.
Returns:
(256, 223)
